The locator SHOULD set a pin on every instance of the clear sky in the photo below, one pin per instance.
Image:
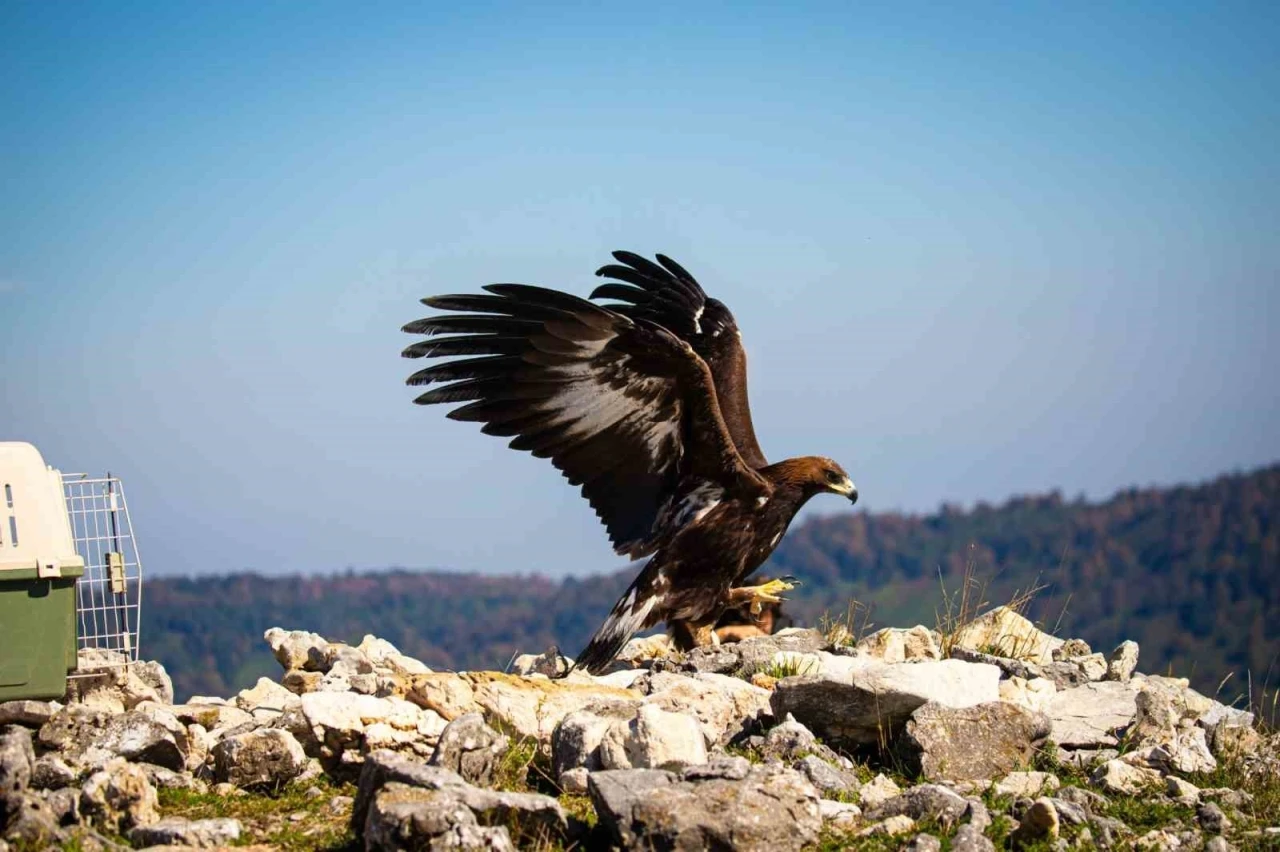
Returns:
(975, 249)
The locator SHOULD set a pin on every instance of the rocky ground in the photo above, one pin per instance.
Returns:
(800, 741)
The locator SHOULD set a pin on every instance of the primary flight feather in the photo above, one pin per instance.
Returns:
(643, 403)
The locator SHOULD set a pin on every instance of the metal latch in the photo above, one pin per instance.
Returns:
(115, 570)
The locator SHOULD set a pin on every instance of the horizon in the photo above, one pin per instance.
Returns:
(973, 251)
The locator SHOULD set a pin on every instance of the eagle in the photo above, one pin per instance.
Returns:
(640, 399)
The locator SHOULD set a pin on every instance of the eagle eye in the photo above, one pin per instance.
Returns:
(833, 477)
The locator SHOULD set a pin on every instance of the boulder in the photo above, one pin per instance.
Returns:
(91, 736)
(1004, 632)
(298, 649)
(108, 680)
(889, 827)
(789, 741)
(51, 772)
(445, 693)
(471, 748)
(29, 822)
(1035, 695)
(265, 694)
(1088, 716)
(17, 759)
(1116, 776)
(876, 702)
(1027, 785)
(896, 645)
(724, 706)
(924, 801)
(31, 714)
(197, 833)
(978, 742)
(877, 791)
(841, 815)
(339, 728)
(771, 808)
(829, 779)
(532, 707)
(970, 839)
(541, 815)
(654, 739)
(401, 817)
(119, 797)
(575, 743)
(1123, 662)
(266, 758)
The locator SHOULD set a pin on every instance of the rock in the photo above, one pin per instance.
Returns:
(106, 680)
(387, 657)
(1158, 839)
(1218, 844)
(895, 645)
(982, 741)
(889, 827)
(923, 843)
(550, 663)
(212, 716)
(1069, 812)
(90, 736)
(1092, 666)
(1005, 633)
(1184, 751)
(977, 813)
(301, 682)
(654, 739)
(772, 808)
(1110, 831)
(65, 805)
(722, 767)
(532, 707)
(537, 813)
(298, 649)
(877, 791)
(642, 649)
(839, 814)
(1212, 819)
(445, 693)
(167, 779)
(1087, 799)
(925, 801)
(1009, 667)
(51, 772)
(829, 779)
(574, 781)
(788, 741)
(176, 831)
(724, 706)
(119, 797)
(29, 822)
(1116, 776)
(878, 700)
(1065, 674)
(471, 748)
(1123, 662)
(401, 817)
(970, 839)
(576, 740)
(17, 759)
(1087, 716)
(1035, 695)
(1182, 792)
(266, 693)
(31, 714)
(264, 758)
(345, 726)
(1039, 823)
(1027, 785)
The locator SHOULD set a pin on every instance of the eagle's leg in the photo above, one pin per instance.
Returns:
(758, 596)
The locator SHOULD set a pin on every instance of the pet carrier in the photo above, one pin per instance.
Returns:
(39, 567)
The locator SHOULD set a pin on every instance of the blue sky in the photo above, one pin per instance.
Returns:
(976, 249)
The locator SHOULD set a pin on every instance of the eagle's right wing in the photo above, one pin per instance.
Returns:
(669, 296)
(621, 406)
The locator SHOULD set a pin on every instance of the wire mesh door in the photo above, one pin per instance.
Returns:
(109, 595)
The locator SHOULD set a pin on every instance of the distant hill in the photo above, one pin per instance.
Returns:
(1192, 573)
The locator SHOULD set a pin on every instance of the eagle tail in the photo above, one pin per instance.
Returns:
(634, 611)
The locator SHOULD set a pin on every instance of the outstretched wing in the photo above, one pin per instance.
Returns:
(668, 295)
(621, 406)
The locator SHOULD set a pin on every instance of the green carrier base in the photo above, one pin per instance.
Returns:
(38, 637)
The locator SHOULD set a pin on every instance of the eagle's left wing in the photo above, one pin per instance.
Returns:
(620, 406)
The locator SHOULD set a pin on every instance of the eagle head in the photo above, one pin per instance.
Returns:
(818, 474)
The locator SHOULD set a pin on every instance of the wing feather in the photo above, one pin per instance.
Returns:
(621, 406)
(665, 293)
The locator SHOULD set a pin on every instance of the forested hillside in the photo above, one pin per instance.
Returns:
(1192, 573)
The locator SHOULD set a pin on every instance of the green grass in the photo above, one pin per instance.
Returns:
(265, 817)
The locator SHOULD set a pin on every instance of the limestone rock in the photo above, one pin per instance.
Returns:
(895, 645)
(969, 839)
(1212, 819)
(724, 706)
(119, 797)
(445, 693)
(789, 741)
(1005, 633)
(298, 649)
(1039, 823)
(31, 714)
(1116, 776)
(197, 833)
(17, 759)
(654, 739)
(345, 726)
(266, 693)
(877, 700)
(924, 801)
(877, 791)
(982, 741)
(923, 843)
(1123, 662)
(532, 707)
(29, 822)
(387, 657)
(106, 680)
(1182, 792)
(471, 748)
(771, 808)
(889, 827)
(401, 817)
(264, 758)
(1027, 785)
(575, 743)
(1088, 716)
(827, 778)
(91, 736)
(539, 813)
(839, 814)
(50, 772)
(1035, 695)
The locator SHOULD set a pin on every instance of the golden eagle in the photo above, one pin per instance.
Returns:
(643, 403)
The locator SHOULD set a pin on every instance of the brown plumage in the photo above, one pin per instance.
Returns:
(642, 403)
